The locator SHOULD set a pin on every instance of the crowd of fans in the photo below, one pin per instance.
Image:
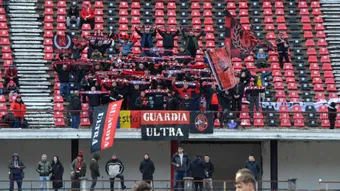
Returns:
(154, 80)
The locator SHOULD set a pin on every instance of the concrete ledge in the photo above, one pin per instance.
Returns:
(219, 134)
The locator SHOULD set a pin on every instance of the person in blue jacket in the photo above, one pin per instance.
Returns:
(16, 172)
(126, 46)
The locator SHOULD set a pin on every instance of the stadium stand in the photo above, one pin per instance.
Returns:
(309, 76)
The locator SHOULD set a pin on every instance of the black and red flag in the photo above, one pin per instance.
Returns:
(104, 125)
(241, 41)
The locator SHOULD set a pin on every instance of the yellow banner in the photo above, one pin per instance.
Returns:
(124, 119)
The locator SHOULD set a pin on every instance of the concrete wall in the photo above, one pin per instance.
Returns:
(306, 161)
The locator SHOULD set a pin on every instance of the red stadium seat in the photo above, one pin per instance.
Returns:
(245, 123)
(58, 107)
(314, 66)
(292, 86)
(49, 4)
(280, 19)
(135, 13)
(319, 96)
(195, 13)
(280, 93)
(258, 123)
(243, 13)
(311, 51)
(58, 114)
(123, 5)
(85, 106)
(243, 20)
(58, 99)
(195, 5)
(293, 94)
(244, 115)
(276, 73)
(267, 5)
(61, 11)
(278, 86)
(325, 123)
(48, 19)
(279, 5)
(323, 51)
(123, 20)
(171, 13)
(279, 12)
(312, 59)
(135, 20)
(61, 4)
(319, 27)
(123, 12)
(60, 27)
(61, 19)
(98, 12)
(310, 43)
(86, 27)
(299, 123)
(331, 88)
(59, 122)
(327, 67)
(270, 27)
(322, 42)
(3, 18)
(209, 29)
(231, 5)
(289, 73)
(320, 34)
(123, 27)
(317, 81)
(171, 6)
(85, 122)
(315, 74)
(305, 19)
(269, 20)
(270, 36)
(207, 6)
(48, 42)
(329, 81)
(48, 56)
(98, 27)
(48, 11)
(315, 4)
(98, 5)
(302, 4)
(159, 13)
(304, 12)
(325, 59)
(196, 21)
(6, 49)
(316, 12)
(318, 19)
(4, 41)
(308, 34)
(48, 49)
(285, 123)
(307, 27)
(318, 87)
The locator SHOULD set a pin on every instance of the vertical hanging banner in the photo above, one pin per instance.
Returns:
(201, 122)
(104, 125)
(221, 66)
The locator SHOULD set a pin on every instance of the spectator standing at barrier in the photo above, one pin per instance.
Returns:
(79, 74)
(197, 169)
(254, 92)
(44, 169)
(64, 79)
(190, 103)
(57, 173)
(181, 163)
(87, 15)
(191, 41)
(168, 41)
(73, 15)
(74, 108)
(255, 168)
(18, 108)
(245, 181)
(172, 102)
(78, 170)
(142, 102)
(211, 95)
(115, 168)
(16, 172)
(237, 95)
(282, 48)
(245, 76)
(11, 74)
(209, 170)
(332, 115)
(94, 167)
(147, 168)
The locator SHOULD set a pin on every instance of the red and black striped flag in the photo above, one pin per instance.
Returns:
(241, 41)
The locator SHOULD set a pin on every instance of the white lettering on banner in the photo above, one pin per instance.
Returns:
(164, 131)
(97, 127)
(110, 125)
(166, 117)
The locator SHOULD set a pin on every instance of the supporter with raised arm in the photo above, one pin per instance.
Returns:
(87, 15)
(73, 15)
(261, 59)
(126, 46)
(76, 50)
(146, 37)
(11, 74)
(191, 41)
(64, 79)
(168, 40)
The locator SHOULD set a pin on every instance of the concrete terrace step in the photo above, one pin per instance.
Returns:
(29, 57)
(27, 53)
(32, 72)
(26, 38)
(20, 11)
(27, 46)
(25, 26)
(25, 23)
(37, 99)
(35, 94)
(30, 65)
(15, 6)
(27, 31)
(32, 107)
(34, 91)
(38, 82)
(23, 34)
(24, 1)
(33, 69)
(26, 42)
(28, 50)
(31, 61)
(22, 4)
(34, 75)
(23, 19)
(23, 15)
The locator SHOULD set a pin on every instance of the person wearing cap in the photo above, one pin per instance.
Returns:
(44, 169)
(16, 172)
(73, 15)
(11, 74)
(78, 170)
(94, 167)
(168, 40)
(115, 168)
(87, 15)
(19, 111)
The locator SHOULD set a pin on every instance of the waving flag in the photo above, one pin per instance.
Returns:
(241, 41)
(221, 66)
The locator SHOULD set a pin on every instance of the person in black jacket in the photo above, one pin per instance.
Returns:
(78, 73)
(332, 114)
(237, 95)
(16, 172)
(209, 170)
(172, 102)
(190, 104)
(57, 173)
(197, 169)
(254, 92)
(134, 93)
(254, 167)
(183, 52)
(282, 49)
(181, 162)
(114, 91)
(147, 168)
(245, 76)
(142, 102)
(94, 167)
(73, 15)
(76, 50)
(94, 101)
(75, 107)
(64, 79)
(168, 41)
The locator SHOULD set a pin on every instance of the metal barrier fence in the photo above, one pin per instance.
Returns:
(164, 185)
(265, 118)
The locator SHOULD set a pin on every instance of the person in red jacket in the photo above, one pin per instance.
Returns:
(19, 110)
(11, 74)
(87, 15)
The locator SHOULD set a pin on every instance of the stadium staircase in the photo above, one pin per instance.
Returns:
(25, 26)
(331, 17)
